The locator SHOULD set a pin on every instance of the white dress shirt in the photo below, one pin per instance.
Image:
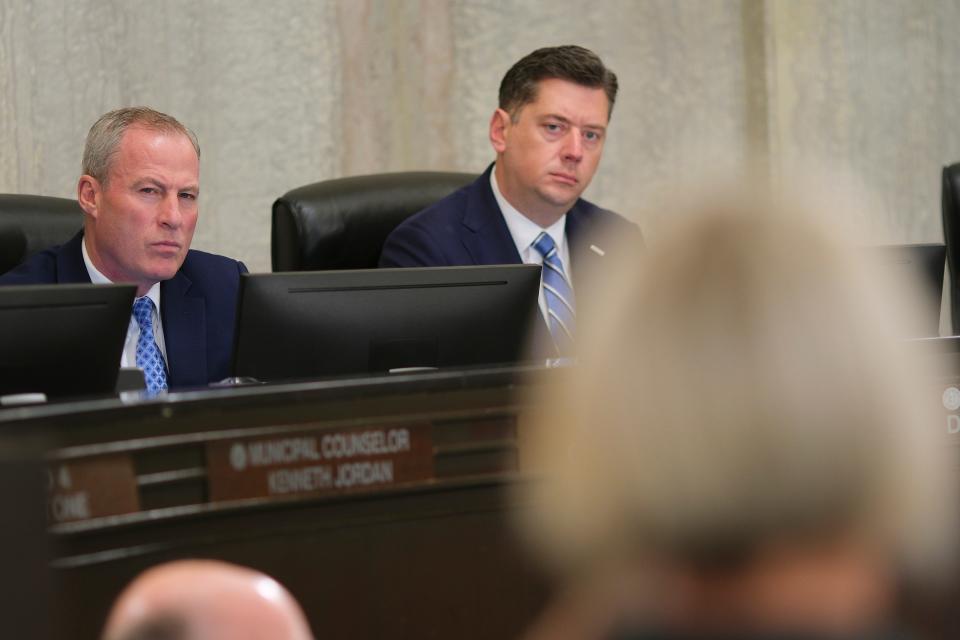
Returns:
(129, 356)
(524, 231)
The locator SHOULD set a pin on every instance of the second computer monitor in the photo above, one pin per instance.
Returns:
(919, 267)
(328, 323)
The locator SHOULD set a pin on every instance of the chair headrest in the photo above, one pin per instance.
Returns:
(343, 223)
(29, 224)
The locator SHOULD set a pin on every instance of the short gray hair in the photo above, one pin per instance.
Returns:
(105, 135)
(161, 626)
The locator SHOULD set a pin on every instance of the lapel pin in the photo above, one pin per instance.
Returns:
(597, 250)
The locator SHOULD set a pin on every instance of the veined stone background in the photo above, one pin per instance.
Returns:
(289, 92)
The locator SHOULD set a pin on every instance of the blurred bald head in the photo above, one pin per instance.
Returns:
(205, 600)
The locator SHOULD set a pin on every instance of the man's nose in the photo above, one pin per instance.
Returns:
(170, 214)
(573, 145)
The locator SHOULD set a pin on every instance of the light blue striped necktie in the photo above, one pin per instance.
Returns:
(561, 317)
(149, 357)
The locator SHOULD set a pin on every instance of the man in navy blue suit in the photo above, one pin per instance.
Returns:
(138, 191)
(548, 134)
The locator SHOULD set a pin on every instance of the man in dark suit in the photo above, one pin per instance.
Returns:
(548, 134)
(138, 191)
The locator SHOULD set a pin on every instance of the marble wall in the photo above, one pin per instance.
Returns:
(294, 91)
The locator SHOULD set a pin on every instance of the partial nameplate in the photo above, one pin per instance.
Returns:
(318, 463)
(91, 488)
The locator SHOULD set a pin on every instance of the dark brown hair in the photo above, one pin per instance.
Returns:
(568, 62)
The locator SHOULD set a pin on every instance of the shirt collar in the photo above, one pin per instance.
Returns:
(98, 278)
(524, 230)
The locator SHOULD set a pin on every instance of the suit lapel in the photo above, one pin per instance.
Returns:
(484, 234)
(586, 250)
(70, 266)
(184, 332)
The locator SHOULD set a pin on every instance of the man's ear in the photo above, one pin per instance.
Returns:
(88, 194)
(499, 130)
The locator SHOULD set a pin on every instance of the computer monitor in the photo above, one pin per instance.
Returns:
(919, 266)
(328, 323)
(62, 340)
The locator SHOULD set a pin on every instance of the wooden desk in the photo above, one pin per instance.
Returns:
(382, 503)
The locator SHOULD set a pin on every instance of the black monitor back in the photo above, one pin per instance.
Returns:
(920, 266)
(62, 340)
(327, 323)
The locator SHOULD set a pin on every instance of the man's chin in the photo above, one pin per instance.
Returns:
(166, 271)
(561, 198)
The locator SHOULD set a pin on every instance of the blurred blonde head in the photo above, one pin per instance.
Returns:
(745, 383)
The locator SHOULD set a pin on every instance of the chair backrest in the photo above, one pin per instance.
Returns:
(29, 224)
(343, 223)
(951, 235)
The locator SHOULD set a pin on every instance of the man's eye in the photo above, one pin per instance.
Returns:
(149, 190)
(591, 136)
(553, 127)
(188, 196)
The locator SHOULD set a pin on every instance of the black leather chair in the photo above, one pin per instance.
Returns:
(343, 223)
(29, 224)
(951, 236)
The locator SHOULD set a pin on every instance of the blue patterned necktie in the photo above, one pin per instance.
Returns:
(149, 357)
(561, 317)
